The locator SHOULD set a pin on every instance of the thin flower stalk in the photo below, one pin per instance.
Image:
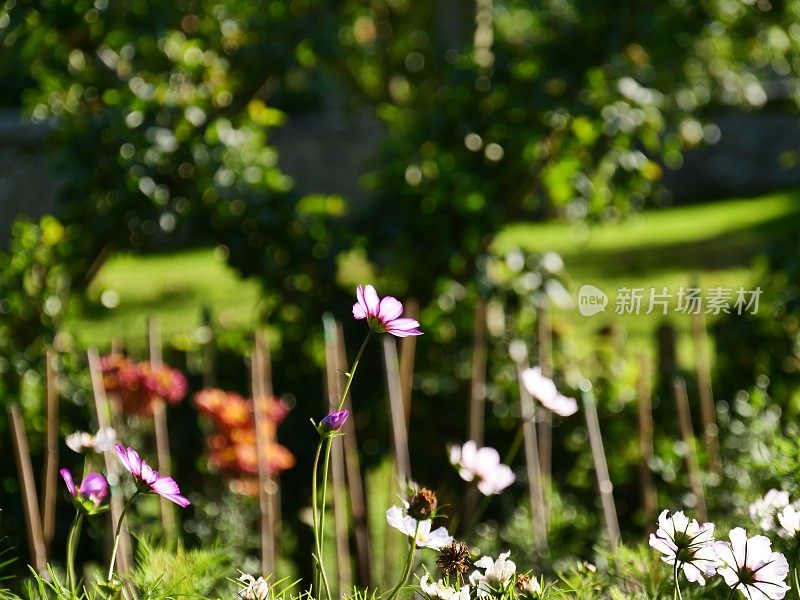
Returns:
(316, 513)
(407, 568)
(72, 543)
(117, 533)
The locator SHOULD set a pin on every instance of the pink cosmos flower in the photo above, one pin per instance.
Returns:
(149, 480)
(544, 390)
(383, 315)
(93, 488)
(482, 465)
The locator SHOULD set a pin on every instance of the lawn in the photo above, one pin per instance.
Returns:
(714, 243)
(175, 288)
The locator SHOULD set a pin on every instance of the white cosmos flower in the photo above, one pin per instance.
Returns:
(544, 390)
(750, 566)
(483, 465)
(688, 542)
(254, 589)
(437, 590)
(425, 538)
(764, 509)
(497, 574)
(102, 441)
(789, 518)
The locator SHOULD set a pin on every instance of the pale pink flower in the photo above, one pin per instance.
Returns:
(483, 465)
(383, 315)
(687, 542)
(750, 566)
(419, 530)
(764, 509)
(149, 480)
(789, 518)
(544, 390)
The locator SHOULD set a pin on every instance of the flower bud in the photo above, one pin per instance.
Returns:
(333, 422)
(422, 504)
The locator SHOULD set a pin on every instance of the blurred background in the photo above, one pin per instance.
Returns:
(227, 166)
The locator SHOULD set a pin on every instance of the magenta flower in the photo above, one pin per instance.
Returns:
(333, 422)
(92, 491)
(149, 480)
(383, 315)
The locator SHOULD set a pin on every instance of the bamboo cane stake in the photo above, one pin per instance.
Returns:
(262, 385)
(341, 534)
(687, 434)
(397, 411)
(354, 478)
(708, 411)
(160, 426)
(477, 399)
(535, 491)
(545, 424)
(102, 413)
(645, 421)
(604, 484)
(402, 461)
(408, 350)
(51, 451)
(33, 523)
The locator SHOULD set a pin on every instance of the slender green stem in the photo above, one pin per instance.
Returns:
(676, 571)
(352, 372)
(407, 568)
(117, 535)
(316, 522)
(72, 543)
(794, 568)
(323, 500)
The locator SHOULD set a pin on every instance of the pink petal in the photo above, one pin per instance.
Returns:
(360, 308)
(94, 485)
(67, 477)
(359, 312)
(403, 327)
(122, 453)
(177, 499)
(165, 485)
(371, 301)
(390, 308)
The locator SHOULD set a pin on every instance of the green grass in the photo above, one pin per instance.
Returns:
(175, 288)
(716, 243)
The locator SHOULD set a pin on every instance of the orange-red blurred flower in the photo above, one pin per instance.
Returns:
(138, 385)
(232, 445)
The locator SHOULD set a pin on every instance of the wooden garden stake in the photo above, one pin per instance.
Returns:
(708, 411)
(103, 414)
(33, 523)
(532, 467)
(687, 433)
(645, 422)
(604, 484)
(160, 426)
(545, 424)
(397, 411)
(408, 350)
(334, 391)
(265, 436)
(51, 451)
(354, 479)
(477, 400)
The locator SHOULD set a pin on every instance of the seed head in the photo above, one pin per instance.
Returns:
(454, 559)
